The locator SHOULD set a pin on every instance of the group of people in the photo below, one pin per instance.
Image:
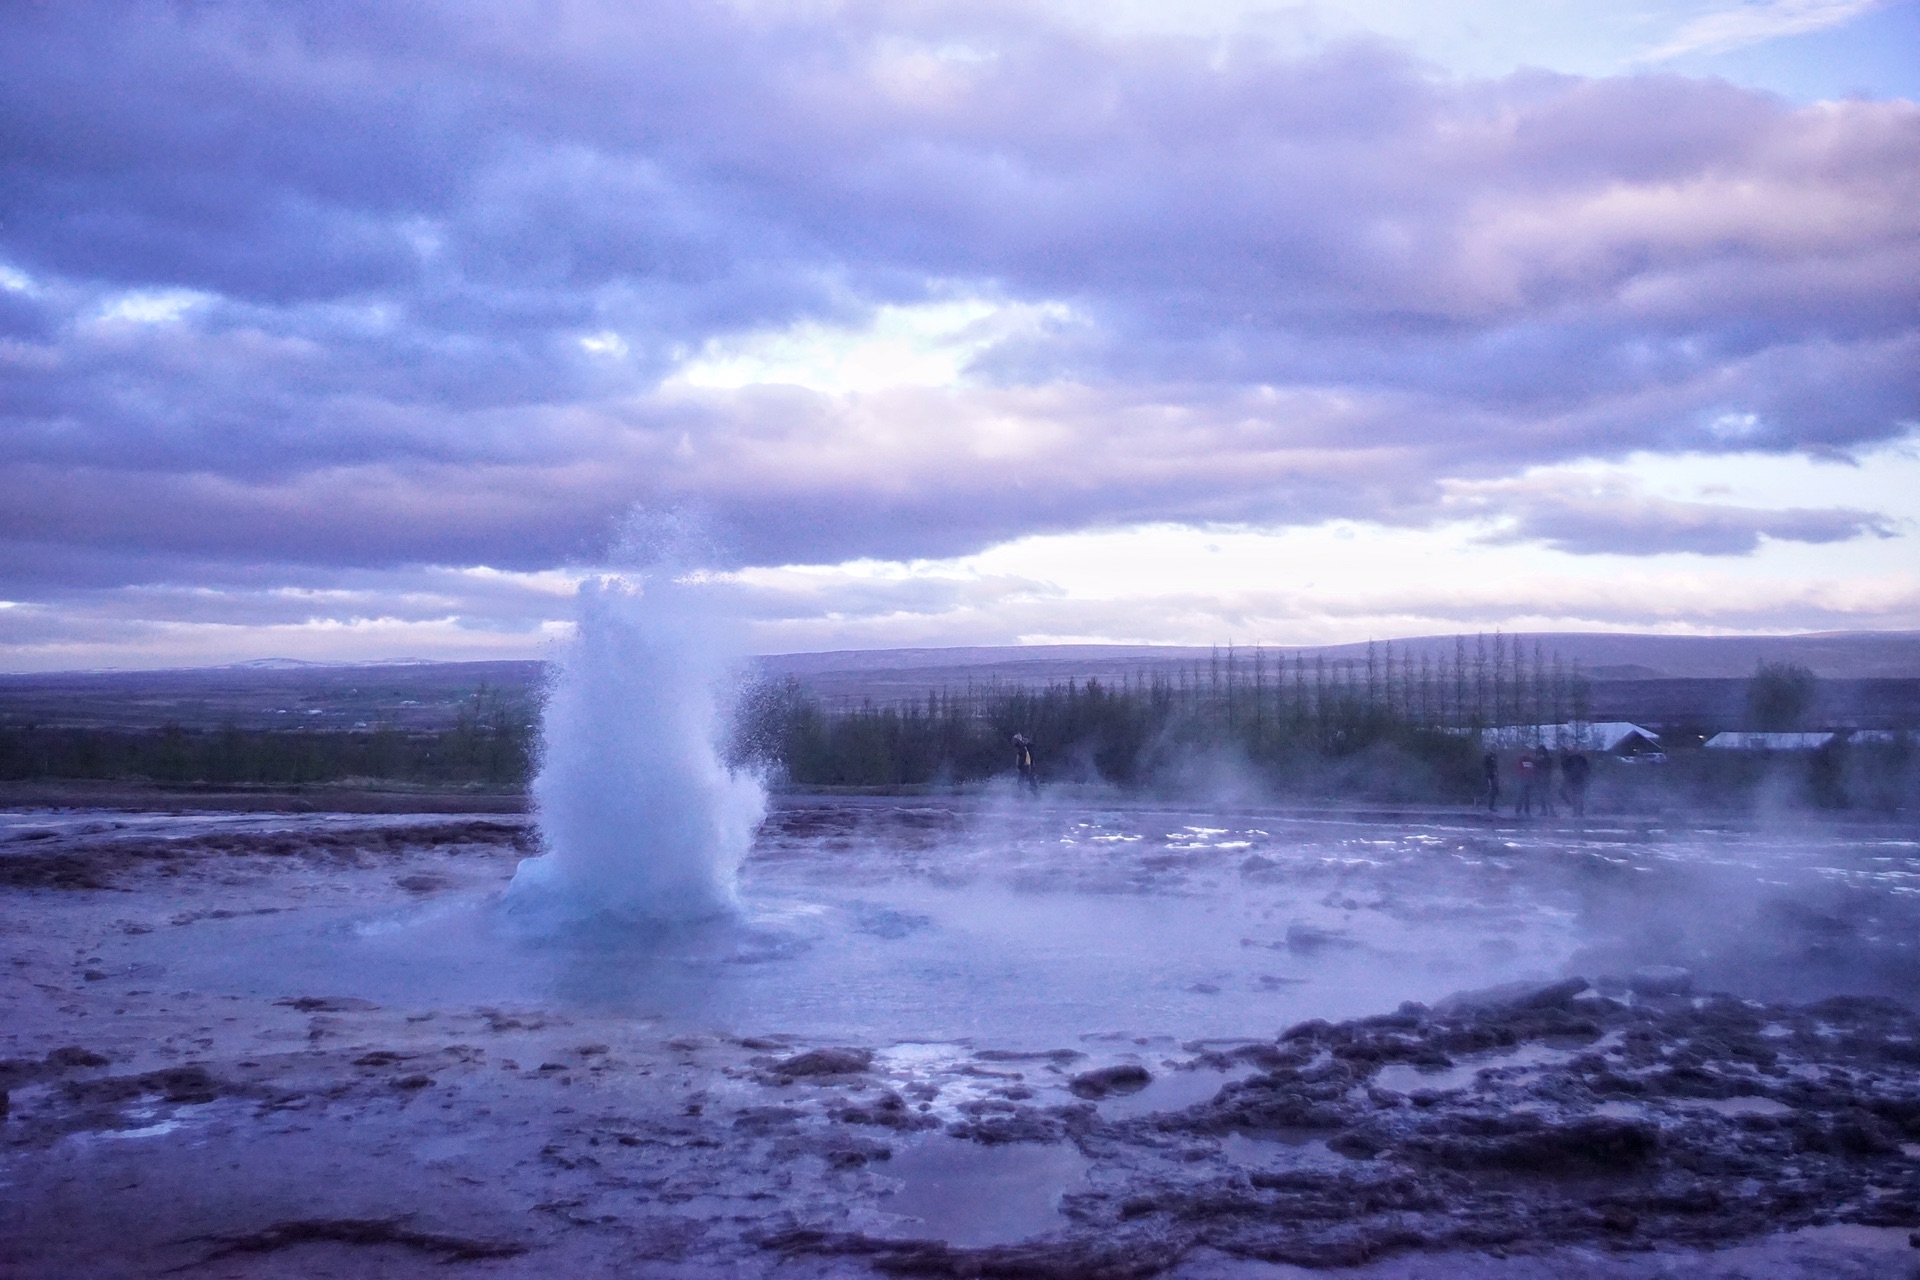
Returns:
(1533, 770)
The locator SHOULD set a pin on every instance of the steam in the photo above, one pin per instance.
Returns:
(640, 817)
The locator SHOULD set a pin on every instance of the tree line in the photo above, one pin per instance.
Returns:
(491, 744)
(1386, 722)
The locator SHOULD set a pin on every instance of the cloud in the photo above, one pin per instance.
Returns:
(1612, 517)
(1680, 602)
(456, 285)
(1653, 526)
(1755, 23)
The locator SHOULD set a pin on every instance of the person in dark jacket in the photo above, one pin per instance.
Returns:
(1543, 779)
(1575, 770)
(1490, 766)
(1023, 761)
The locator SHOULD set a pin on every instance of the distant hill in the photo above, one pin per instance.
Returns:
(272, 694)
(886, 675)
(1667, 678)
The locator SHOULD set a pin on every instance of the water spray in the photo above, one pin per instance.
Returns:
(640, 817)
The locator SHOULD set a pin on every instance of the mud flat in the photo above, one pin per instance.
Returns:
(205, 1075)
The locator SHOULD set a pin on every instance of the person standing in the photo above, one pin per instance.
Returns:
(1543, 778)
(1524, 766)
(1490, 766)
(1023, 761)
(1575, 769)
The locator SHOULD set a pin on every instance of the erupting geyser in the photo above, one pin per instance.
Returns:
(640, 816)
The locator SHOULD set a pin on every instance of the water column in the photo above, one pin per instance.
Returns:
(639, 816)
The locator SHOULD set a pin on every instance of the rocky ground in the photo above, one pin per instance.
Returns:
(1619, 1128)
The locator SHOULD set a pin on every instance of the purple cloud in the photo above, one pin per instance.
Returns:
(1299, 287)
(1645, 526)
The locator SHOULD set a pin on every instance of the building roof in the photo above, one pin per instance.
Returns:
(1768, 741)
(1602, 735)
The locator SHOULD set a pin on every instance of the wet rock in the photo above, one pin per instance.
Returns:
(761, 1044)
(1359, 1144)
(1058, 1056)
(1593, 1123)
(72, 871)
(410, 1083)
(557, 1155)
(1475, 1037)
(853, 1155)
(758, 1120)
(1106, 1081)
(1013, 1123)
(1306, 939)
(1686, 1080)
(18, 1071)
(327, 1004)
(1408, 1017)
(189, 1084)
(888, 1111)
(380, 1058)
(1660, 980)
(1512, 996)
(1312, 1029)
(361, 1231)
(1267, 1057)
(1856, 1133)
(500, 1021)
(1281, 1101)
(824, 1062)
(1358, 1047)
(1102, 1258)
(1529, 1144)
(74, 1056)
(1869, 1011)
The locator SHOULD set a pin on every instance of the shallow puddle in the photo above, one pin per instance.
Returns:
(1742, 1106)
(972, 1195)
(1171, 1091)
(1402, 1078)
(155, 1130)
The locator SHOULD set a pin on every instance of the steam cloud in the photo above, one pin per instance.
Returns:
(641, 818)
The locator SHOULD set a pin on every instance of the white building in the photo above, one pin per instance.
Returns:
(1612, 737)
(1768, 741)
(1876, 738)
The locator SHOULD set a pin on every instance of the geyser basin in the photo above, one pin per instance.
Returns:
(257, 1041)
(1031, 926)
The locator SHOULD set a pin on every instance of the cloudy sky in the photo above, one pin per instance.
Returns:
(352, 331)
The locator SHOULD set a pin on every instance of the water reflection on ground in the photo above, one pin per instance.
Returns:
(1001, 922)
(968, 1194)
